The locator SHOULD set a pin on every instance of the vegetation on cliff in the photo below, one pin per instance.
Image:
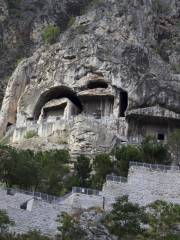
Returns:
(158, 220)
(50, 171)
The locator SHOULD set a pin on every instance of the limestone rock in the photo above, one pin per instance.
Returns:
(116, 58)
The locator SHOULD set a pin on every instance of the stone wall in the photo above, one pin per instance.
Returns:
(146, 185)
(42, 217)
(113, 190)
(83, 201)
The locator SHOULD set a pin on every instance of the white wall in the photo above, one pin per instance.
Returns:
(146, 185)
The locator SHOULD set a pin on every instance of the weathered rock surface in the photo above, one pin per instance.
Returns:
(90, 222)
(129, 45)
(21, 25)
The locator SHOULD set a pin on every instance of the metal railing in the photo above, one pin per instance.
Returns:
(155, 166)
(115, 178)
(50, 198)
(86, 191)
(38, 195)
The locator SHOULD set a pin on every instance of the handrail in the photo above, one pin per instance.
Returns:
(86, 191)
(38, 195)
(115, 178)
(155, 166)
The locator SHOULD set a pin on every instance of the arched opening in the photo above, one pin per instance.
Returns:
(123, 103)
(57, 93)
(97, 84)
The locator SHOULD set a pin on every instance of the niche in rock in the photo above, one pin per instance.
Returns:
(54, 111)
(97, 106)
(8, 127)
(97, 84)
(57, 110)
(123, 103)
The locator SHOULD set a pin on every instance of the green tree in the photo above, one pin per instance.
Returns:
(102, 165)
(153, 151)
(5, 222)
(69, 228)
(126, 220)
(43, 171)
(124, 155)
(83, 169)
(55, 169)
(8, 162)
(51, 34)
(162, 219)
(27, 170)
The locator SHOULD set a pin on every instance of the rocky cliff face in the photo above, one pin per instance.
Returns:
(128, 49)
(21, 26)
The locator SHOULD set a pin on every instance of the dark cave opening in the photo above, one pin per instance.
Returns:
(123, 103)
(8, 126)
(161, 136)
(97, 84)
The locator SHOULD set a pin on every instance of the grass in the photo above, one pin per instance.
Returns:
(50, 34)
(30, 134)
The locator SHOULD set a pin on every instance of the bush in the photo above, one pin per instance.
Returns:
(126, 219)
(32, 235)
(124, 155)
(154, 152)
(162, 219)
(41, 171)
(83, 169)
(5, 222)
(30, 134)
(157, 221)
(150, 151)
(102, 165)
(51, 34)
(69, 228)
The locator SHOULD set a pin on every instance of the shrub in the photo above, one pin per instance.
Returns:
(126, 219)
(30, 134)
(69, 228)
(51, 34)
(83, 169)
(162, 219)
(153, 151)
(124, 155)
(102, 165)
(157, 221)
(5, 222)
(32, 235)
(42, 171)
